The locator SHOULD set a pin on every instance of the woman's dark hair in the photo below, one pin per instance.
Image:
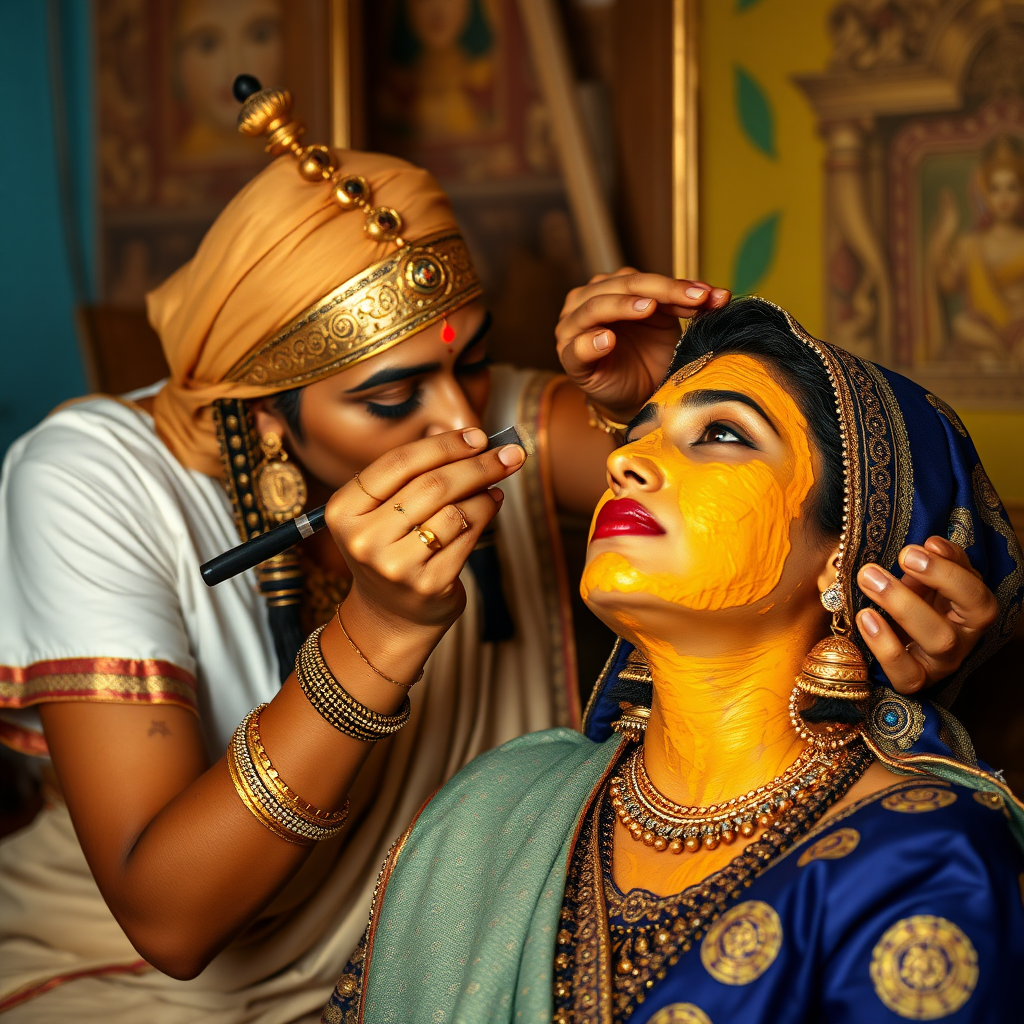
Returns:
(289, 405)
(756, 328)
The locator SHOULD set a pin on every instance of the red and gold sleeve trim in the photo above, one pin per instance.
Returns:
(22, 995)
(107, 680)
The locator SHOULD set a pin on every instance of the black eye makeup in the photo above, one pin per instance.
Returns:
(720, 432)
(397, 410)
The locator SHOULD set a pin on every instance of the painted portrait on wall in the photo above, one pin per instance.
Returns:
(450, 85)
(452, 88)
(168, 150)
(923, 117)
(958, 239)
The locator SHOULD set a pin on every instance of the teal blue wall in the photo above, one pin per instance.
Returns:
(47, 232)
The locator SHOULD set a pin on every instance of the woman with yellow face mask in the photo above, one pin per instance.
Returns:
(326, 343)
(759, 828)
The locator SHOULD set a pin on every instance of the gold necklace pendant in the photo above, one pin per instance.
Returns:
(658, 822)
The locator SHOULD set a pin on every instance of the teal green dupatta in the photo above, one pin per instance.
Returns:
(468, 928)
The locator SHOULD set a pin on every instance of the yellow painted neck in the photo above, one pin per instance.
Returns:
(720, 724)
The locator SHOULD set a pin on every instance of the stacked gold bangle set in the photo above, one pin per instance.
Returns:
(268, 797)
(257, 781)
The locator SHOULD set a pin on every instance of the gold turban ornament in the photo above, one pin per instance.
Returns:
(302, 275)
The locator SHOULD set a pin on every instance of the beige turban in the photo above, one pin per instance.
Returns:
(280, 246)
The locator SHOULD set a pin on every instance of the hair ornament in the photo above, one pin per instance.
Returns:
(269, 112)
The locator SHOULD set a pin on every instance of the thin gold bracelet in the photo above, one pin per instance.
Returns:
(366, 661)
(601, 422)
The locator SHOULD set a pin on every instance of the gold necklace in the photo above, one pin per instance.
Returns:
(656, 821)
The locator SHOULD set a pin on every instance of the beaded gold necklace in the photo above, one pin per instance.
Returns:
(660, 823)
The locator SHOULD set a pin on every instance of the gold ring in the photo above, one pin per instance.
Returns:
(398, 507)
(462, 516)
(428, 537)
(364, 490)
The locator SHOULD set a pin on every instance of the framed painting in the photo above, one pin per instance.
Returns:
(957, 221)
(169, 154)
(923, 119)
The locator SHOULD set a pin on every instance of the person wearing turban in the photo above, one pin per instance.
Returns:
(325, 339)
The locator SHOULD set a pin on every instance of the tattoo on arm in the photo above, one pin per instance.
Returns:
(158, 729)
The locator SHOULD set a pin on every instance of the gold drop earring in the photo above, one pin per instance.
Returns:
(833, 670)
(279, 482)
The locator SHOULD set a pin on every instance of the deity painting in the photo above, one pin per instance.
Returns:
(977, 265)
(451, 89)
(957, 246)
(441, 84)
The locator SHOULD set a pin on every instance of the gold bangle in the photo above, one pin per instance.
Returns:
(331, 821)
(268, 798)
(362, 657)
(335, 705)
(599, 421)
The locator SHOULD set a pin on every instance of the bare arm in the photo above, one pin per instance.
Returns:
(180, 861)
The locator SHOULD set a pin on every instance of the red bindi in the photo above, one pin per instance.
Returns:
(447, 333)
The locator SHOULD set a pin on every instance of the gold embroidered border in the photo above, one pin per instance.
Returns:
(112, 680)
(24, 741)
(377, 308)
(852, 490)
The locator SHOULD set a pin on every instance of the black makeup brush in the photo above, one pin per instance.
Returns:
(282, 537)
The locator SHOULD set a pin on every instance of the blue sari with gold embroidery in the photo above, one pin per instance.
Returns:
(906, 906)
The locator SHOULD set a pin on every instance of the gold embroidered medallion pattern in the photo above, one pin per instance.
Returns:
(919, 800)
(961, 528)
(947, 410)
(681, 1013)
(924, 968)
(742, 944)
(993, 801)
(834, 846)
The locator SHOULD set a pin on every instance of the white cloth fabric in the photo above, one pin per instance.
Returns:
(102, 532)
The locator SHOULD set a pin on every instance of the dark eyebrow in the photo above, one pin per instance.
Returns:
(645, 415)
(702, 398)
(396, 373)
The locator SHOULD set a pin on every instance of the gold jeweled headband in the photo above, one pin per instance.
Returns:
(378, 307)
(416, 286)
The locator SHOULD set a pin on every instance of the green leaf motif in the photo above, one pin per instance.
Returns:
(755, 254)
(755, 112)
(742, 5)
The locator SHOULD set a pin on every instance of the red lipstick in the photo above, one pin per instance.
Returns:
(624, 516)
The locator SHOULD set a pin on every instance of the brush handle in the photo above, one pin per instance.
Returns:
(259, 549)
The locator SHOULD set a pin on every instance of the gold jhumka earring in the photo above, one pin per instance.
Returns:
(835, 675)
(279, 482)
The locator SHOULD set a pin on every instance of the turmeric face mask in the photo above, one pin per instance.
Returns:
(723, 471)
